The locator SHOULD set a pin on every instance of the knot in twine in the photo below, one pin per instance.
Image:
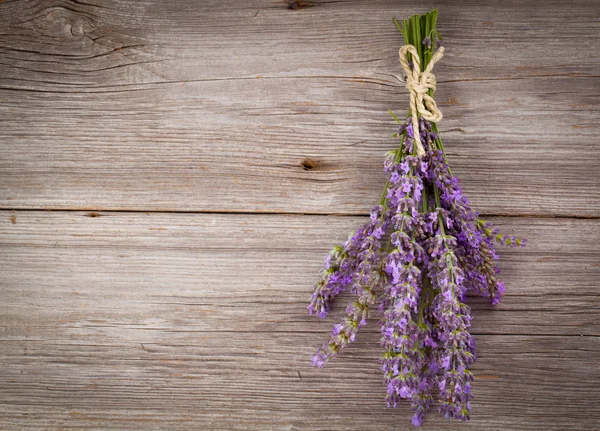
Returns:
(419, 83)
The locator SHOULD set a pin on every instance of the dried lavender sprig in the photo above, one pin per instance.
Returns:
(400, 333)
(365, 249)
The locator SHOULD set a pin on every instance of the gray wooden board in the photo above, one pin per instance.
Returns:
(186, 321)
(214, 106)
(178, 320)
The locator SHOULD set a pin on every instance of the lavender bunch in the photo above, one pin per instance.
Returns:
(416, 259)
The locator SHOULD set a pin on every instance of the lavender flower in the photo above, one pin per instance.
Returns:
(423, 251)
(418, 256)
(356, 263)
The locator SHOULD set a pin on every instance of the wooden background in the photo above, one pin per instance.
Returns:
(172, 174)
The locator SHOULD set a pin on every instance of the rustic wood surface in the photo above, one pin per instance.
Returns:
(145, 287)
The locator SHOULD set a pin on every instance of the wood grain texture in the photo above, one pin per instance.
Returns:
(198, 321)
(214, 105)
(190, 316)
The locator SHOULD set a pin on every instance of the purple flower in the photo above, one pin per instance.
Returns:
(422, 250)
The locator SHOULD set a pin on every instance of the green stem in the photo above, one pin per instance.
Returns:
(397, 24)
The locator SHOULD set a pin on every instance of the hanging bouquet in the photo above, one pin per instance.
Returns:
(422, 251)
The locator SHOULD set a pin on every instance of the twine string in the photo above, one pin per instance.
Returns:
(418, 84)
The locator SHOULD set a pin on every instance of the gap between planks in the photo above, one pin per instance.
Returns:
(96, 212)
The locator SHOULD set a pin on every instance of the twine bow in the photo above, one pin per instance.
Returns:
(419, 83)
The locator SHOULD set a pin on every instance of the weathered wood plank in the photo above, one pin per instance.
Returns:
(214, 106)
(185, 321)
(263, 381)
